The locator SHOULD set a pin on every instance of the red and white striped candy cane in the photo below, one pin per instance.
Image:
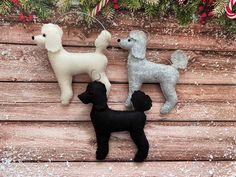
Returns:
(98, 7)
(229, 9)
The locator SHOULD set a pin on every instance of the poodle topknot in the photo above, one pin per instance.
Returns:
(66, 64)
(106, 121)
(140, 70)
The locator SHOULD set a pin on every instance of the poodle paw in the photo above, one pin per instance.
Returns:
(165, 109)
(65, 99)
(100, 156)
(138, 159)
(65, 102)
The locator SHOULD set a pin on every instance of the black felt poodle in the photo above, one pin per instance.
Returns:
(106, 121)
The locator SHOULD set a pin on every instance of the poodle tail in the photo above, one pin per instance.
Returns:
(179, 59)
(102, 41)
(141, 101)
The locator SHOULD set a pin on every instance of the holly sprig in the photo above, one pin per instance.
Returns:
(186, 11)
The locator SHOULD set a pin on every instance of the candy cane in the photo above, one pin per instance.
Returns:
(98, 7)
(229, 11)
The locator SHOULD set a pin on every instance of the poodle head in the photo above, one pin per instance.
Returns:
(141, 101)
(135, 43)
(95, 93)
(50, 37)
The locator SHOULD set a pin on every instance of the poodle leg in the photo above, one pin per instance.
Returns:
(65, 83)
(171, 97)
(139, 138)
(102, 145)
(105, 81)
(133, 86)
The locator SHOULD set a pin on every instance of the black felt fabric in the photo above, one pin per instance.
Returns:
(106, 121)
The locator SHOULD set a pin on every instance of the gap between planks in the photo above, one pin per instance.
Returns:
(183, 112)
(49, 92)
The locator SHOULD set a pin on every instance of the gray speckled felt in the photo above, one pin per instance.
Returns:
(140, 70)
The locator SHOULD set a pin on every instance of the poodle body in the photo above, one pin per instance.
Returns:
(155, 73)
(67, 64)
(140, 70)
(116, 121)
(106, 120)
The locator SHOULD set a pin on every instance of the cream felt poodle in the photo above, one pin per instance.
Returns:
(66, 64)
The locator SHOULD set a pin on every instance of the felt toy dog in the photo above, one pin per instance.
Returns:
(106, 121)
(140, 70)
(66, 64)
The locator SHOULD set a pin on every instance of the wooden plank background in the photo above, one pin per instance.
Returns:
(40, 137)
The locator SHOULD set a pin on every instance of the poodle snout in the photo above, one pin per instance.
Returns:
(32, 37)
(85, 98)
(125, 43)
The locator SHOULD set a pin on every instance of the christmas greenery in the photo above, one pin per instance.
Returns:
(26, 7)
(186, 11)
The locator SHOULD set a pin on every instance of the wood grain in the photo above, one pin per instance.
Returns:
(35, 127)
(77, 37)
(76, 142)
(148, 169)
(49, 92)
(80, 112)
(30, 63)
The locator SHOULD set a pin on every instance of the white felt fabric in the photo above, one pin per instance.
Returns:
(66, 64)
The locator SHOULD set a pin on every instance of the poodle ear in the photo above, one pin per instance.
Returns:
(141, 101)
(100, 98)
(139, 49)
(53, 41)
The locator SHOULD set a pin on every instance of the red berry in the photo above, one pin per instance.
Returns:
(115, 1)
(116, 6)
(210, 14)
(210, 2)
(30, 18)
(204, 15)
(200, 8)
(21, 17)
(15, 1)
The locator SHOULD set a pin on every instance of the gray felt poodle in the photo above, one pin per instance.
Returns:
(140, 70)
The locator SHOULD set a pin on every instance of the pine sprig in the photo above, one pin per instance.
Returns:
(151, 9)
(39, 7)
(5, 7)
(164, 7)
(133, 4)
(108, 12)
(64, 5)
(219, 9)
(86, 6)
(186, 14)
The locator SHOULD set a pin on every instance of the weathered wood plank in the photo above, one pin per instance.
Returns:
(80, 112)
(148, 169)
(76, 142)
(30, 63)
(77, 37)
(11, 92)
